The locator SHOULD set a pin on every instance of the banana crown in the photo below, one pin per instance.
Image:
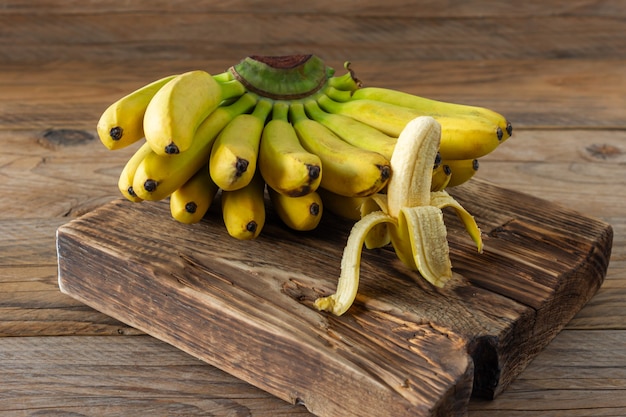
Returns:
(289, 127)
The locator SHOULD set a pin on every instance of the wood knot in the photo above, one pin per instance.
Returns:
(66, 137)
(604, 151)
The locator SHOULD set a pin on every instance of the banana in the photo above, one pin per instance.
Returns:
(178, 108)
(157, 176)
(125, 182)
(342, 206)
(462, 137)
(285, 165)
(347, 170)
(190, 202)
(462, 170)
(409, 216)
(434, 107)
(233, 159)
(441, 177)
(122, 122)
(243, 210)
(352, 131)
(298, 213)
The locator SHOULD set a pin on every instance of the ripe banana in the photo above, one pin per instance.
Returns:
(412, 214)
(441, 177)
(434, 107)
(285, 165)
(342, 206)
(190, 202)
(462, 137)
(347, 170)
(233, 159)
(461, 170)
(125, 182)
(352, 131)
(157, 176)
(298, 213)
(178, 108)
(122, 122)
(355, 208)
(243, 210)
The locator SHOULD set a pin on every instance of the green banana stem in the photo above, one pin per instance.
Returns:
(232, 89)
(280, 111)
(347, 82)
(283, 77)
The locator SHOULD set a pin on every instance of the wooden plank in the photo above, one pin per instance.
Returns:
(332, 366)
(575, 376)
(569, 168)
(122, 376)
(30, 301)
(428, 8)
(139, 376)
(490, 302)
(56, 174)
(539, 87)
(184, 35)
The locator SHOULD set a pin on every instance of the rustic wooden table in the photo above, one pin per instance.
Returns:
(557, 69)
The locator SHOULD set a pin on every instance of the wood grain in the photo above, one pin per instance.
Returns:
(561, 82)
(183, 33)
(536, 273)
(363, 366)
(130, 376)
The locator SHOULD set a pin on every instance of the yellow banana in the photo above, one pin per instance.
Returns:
(125, 182)
(355, 208)
(412, 215)
(347, 170)
(285, 165)
(233, 159)
(298, 213)
(462, 170)
(342, 206)
(178, 108)
(243, 210)
(353, 131)
(122, 122)
(190, 202)
(462, 137)
(434, 107)
(157, 176)
(441, 177)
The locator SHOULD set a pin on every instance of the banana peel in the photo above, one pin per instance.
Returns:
(409, 216)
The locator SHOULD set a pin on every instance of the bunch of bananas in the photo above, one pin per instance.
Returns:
(287, 127)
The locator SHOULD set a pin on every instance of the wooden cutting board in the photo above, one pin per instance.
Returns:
(404, 348)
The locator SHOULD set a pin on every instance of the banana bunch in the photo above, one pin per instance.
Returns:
(286, 132)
